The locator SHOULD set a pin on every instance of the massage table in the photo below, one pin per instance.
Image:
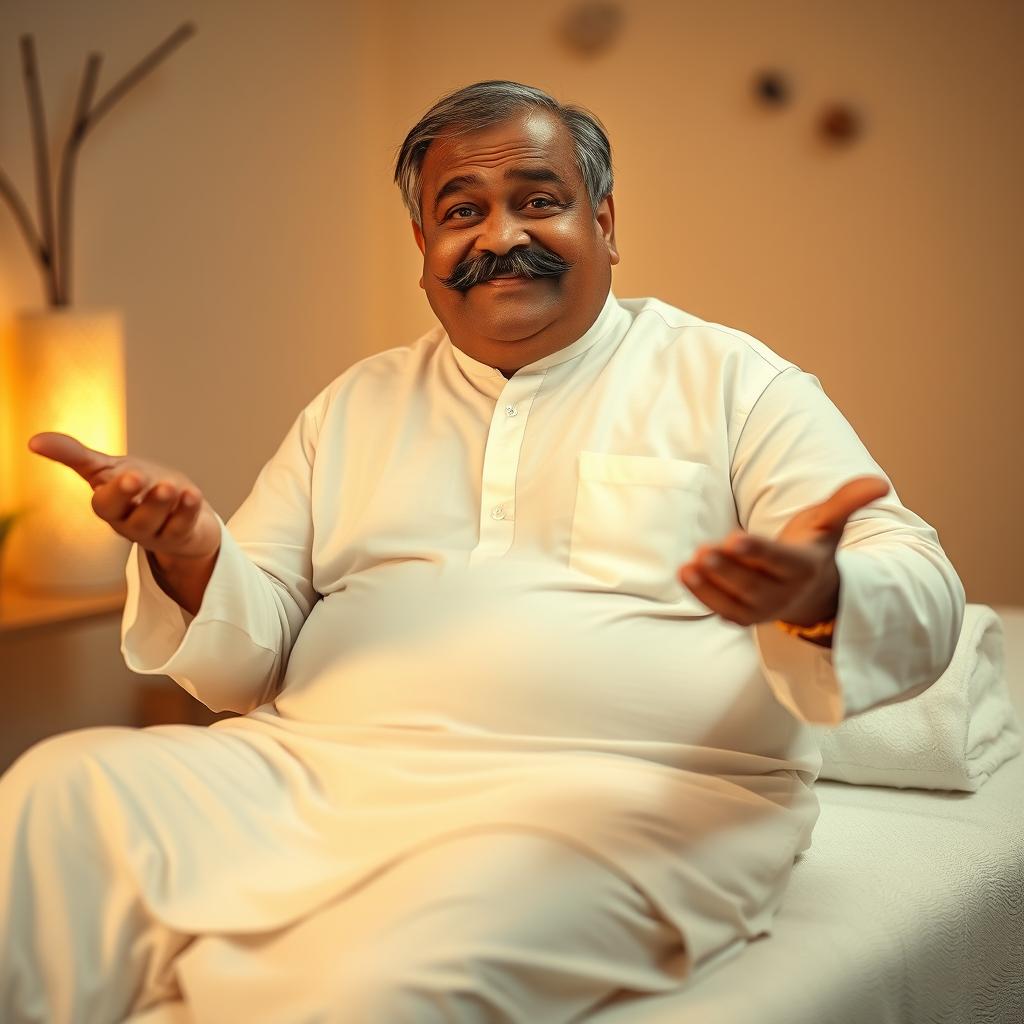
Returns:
(908, 907)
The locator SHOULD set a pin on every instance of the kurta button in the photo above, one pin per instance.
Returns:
(497, 512)
(511, 410)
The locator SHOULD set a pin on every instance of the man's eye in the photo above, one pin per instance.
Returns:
(465, 212)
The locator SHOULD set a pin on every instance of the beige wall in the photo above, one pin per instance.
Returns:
(890, 269)
(238, 207)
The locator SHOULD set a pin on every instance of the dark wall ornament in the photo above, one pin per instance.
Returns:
(839, 124)
(592, 27)
(772, 88)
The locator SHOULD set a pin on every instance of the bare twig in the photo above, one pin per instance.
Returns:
(84, 122)
(24, 219)
(54, 253)
(174, 40)
(67, 171)
(43, 197)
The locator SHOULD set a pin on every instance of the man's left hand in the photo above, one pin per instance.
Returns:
(749, 579)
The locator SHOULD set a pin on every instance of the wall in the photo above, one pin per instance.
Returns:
(889, 269)
(237, 205)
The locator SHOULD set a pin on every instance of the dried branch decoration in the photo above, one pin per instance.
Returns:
(51, 244)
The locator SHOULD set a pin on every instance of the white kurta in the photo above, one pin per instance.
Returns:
(450, 603)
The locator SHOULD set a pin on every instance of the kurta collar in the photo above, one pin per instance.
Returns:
(611, 315)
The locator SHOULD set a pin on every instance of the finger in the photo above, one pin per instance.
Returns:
(115, 499)
(182, 517)
(854, 494)
(716, 599)
(148, 517)
(63, 448)
(746, 584)
(776, 559)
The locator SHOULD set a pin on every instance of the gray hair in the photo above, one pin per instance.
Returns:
(485, 103)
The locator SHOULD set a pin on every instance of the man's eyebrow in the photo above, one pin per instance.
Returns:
(462, 181)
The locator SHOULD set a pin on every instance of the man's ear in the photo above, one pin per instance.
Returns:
(605, 217)
(417, 233)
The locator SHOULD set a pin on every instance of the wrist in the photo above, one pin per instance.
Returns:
(180, 563)
(821, 607)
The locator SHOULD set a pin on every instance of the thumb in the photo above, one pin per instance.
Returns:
(86, 462)
(835, 510)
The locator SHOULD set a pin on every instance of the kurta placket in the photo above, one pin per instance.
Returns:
(501, 464)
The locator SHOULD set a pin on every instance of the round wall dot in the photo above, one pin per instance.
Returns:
(591, 28)
(772, 88)
(839, 123)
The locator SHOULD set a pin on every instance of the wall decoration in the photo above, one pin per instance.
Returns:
(772, 88)
(593, 27)
(840, 124)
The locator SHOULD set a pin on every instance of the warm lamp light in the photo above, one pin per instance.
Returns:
(68, 375)
(66, 364)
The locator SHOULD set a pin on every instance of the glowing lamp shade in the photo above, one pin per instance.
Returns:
(68, 372)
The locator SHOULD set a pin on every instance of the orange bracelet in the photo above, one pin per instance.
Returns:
(808, 632)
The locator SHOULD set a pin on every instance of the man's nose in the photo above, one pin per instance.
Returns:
(501, 232)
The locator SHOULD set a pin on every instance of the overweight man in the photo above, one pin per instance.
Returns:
(527, 624)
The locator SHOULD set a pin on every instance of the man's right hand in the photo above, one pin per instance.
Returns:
(141, 500)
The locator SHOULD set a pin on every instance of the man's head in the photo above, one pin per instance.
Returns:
(510, 197)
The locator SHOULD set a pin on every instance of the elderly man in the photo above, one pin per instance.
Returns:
(526, 623)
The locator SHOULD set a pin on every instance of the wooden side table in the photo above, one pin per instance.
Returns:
(160, 701)
(24, 609)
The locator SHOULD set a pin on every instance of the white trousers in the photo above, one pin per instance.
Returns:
(493, 926)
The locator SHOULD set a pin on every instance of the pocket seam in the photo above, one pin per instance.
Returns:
(640, 470)
(684, 477)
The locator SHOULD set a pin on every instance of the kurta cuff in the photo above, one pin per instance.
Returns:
(880, 648)
(801, 673)
(228, 655)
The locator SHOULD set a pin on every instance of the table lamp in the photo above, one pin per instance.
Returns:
(65, 368)
(67, 375)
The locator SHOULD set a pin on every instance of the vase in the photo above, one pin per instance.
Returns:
(68, 375)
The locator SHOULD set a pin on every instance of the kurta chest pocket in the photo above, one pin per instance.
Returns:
(636, 521)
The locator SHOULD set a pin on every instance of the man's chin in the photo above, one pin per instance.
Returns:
(513, 320)
(516, 315)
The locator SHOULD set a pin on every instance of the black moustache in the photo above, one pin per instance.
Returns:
(519, 262)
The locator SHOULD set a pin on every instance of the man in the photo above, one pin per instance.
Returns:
(526, 623)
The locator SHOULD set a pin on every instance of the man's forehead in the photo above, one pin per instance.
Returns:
(534, 136)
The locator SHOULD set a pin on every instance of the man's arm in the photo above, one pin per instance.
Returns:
(247, 605)
(901, 602)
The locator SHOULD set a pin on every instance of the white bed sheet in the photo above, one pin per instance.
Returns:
(908, 908)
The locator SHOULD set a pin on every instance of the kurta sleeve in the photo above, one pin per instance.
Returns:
(232, 655)
(901, 602)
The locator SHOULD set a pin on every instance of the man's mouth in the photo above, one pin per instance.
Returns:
(509, 280)
(512, 281)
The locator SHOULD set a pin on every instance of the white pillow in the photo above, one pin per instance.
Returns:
(952, 734)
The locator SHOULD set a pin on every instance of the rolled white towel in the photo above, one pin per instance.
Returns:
(952, 734)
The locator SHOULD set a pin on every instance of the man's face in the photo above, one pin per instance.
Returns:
(514, 188)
